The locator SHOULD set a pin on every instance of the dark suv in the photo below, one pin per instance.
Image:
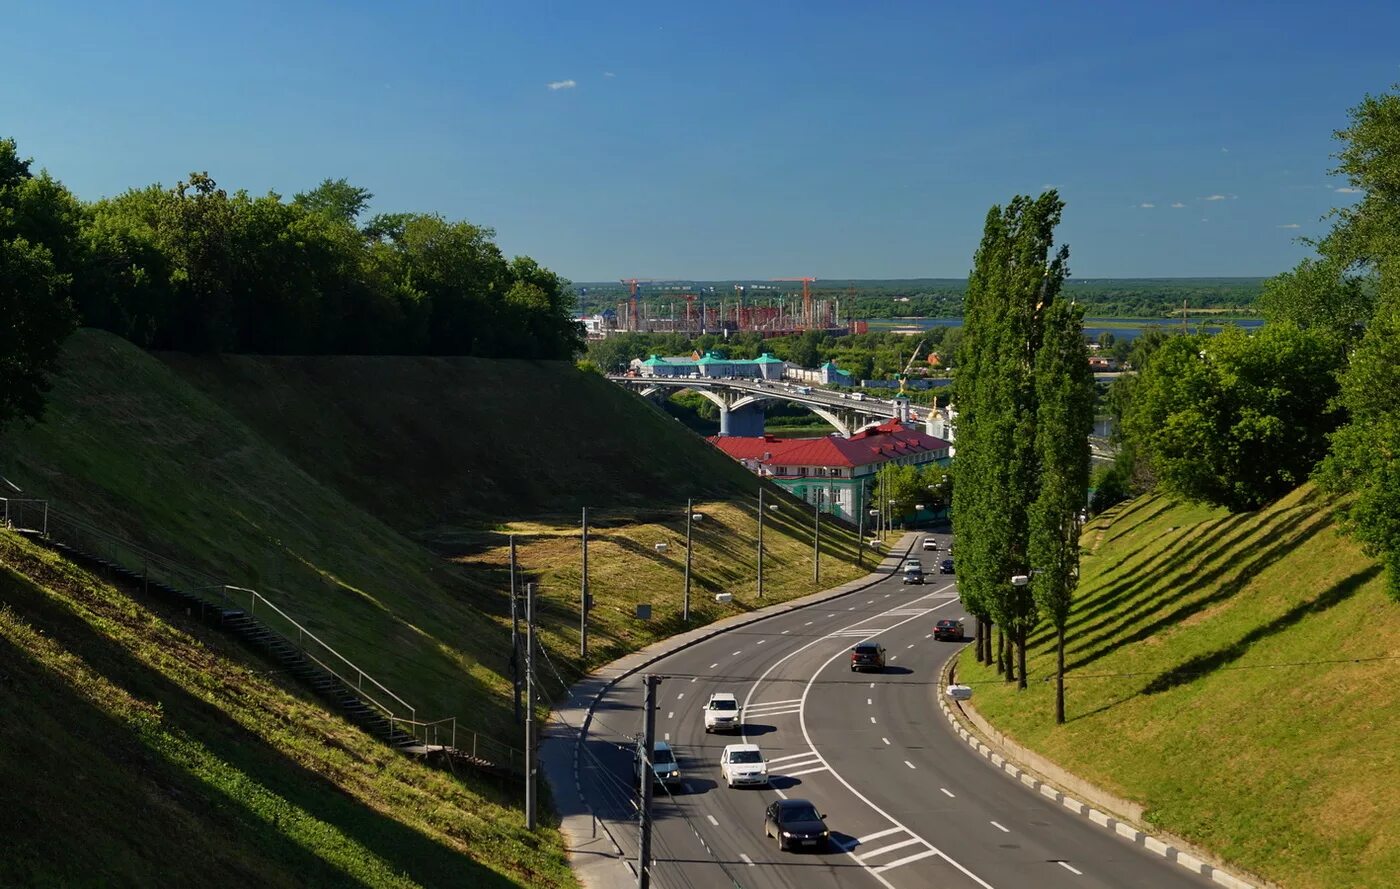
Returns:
(868, 656)
(948, 628)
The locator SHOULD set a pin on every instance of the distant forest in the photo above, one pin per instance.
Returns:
(943, 297)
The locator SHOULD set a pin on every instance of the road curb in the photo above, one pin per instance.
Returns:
(563, 736)
(1195, 860)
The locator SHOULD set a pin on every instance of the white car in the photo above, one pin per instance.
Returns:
(930, 544)
(722, 712)
(743, 764)
(913, 565)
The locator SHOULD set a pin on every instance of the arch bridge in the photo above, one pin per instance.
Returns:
(740, 402)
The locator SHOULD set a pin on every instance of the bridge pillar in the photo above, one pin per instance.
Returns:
(746, 421)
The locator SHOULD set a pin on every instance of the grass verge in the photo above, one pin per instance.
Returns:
(1237, 676)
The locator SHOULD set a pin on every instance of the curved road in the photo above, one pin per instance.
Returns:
(909, 805)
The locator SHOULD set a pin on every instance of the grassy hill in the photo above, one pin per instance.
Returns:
(1238, 675)
(373, 499)
(137, 749)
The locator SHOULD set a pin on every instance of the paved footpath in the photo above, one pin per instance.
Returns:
(595, 857)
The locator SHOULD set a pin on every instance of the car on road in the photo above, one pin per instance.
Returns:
(948, 628)
(868, 656)
(664, 768)
(914, 575)
(945, 566)
(722, 712)
(913, 563)
(743, 764)
(797, 824)
(930, 544)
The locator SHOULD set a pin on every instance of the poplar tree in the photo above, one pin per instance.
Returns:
(1064, 389)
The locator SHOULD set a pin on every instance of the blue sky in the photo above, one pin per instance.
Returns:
(719, 140)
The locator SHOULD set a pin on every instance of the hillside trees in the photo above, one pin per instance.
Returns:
(1016, 278)
(197, 268)
(38, 249)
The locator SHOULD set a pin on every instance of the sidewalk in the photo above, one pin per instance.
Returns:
(595, 857)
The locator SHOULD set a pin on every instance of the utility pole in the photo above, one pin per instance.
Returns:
(514, 632)
(817, 539)
(760, 540)
(531, 790)
(583, 597)
(859, 494)
(649, 684)
(689, 514)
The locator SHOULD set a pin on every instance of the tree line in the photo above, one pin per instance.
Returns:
(197, 268)
(1239, 420)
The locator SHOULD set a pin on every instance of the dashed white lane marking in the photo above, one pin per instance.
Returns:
(947, 792)
(1000, 828)
(1066, 865)
(807, 624)
(869, 702)
(852, 608)
(872, 685)
(712, 666)
(736, 654)
(894, 657)
(910, 645)
(747, 860)
(928, 636)
(761, 641)
(693, 678)
(872, 720)
(832, 614)
(671, 714)
(668, 736)
(679, 696)
(887, 595)
(871, 602)
(785, 632)
(886, 740)
(909, 764)
(713, 820)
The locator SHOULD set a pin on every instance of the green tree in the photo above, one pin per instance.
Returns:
(1236, 420)
(34, 300)
(336, 199)
(1064, 387)
(1016, 277)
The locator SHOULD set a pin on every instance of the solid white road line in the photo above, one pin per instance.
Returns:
(890, 848)
(805, 772)
(803, 754)
(908, 858)
(1000, 828)
(1066, 866)
(948, 792)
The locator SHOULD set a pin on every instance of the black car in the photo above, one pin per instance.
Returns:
(948, 628)
(868, 656)
(797, 824)
(945, 566)
(913, 575)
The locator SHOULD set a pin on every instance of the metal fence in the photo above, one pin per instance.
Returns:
(25, 515)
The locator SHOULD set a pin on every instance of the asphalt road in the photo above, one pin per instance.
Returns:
(909, 805)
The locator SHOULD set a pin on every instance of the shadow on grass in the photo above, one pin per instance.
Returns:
(1179, 577)
(403, 848)
(1246, 572)
(1205, 664)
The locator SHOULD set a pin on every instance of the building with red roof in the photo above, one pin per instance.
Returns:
(832, 471)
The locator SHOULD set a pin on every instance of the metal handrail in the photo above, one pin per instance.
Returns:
(8, 521)
(304, 632)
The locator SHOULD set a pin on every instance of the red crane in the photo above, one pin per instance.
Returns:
(634, 320)
(807, 319)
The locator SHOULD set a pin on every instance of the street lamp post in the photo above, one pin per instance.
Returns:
(760, 540)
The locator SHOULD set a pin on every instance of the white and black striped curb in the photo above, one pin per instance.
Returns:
(1104, 820)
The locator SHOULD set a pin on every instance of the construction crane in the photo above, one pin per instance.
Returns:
(807, 319)
(634, 320)
(904, 374)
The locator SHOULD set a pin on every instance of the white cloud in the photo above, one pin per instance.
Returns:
(1214, 197)
(609, 74)
(562, 84)
(1224, 151)
(1290, 225)
(1177, 205)
(1146, 206)
(1347, 189)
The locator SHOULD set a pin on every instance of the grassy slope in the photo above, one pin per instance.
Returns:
(321, 481)
(1237, 675)
(137, 751)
